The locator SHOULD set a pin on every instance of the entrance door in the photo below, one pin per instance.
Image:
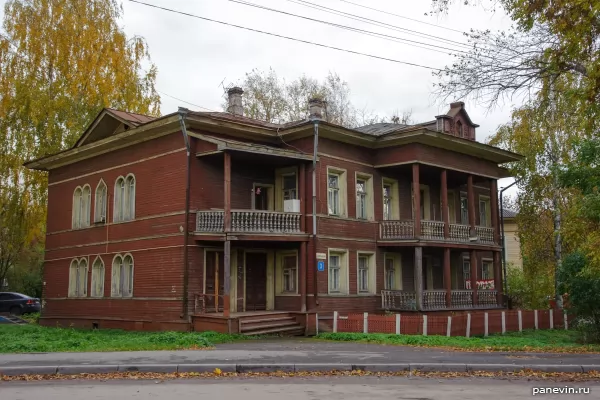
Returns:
(215, 277)
(256, 281)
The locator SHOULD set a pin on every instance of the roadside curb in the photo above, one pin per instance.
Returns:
(289, 368)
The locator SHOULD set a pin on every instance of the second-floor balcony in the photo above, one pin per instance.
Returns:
(249, 221)
(434, 230)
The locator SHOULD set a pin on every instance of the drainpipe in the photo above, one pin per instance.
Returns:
(314, 203)
(502, 232)
(182, 115)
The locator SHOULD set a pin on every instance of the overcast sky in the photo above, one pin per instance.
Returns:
(194, 56)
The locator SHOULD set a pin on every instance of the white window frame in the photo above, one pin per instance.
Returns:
(394, 210)
(98, 270)
(371, 273)
(118, 276)
(100, 202)
(280, 273)
(342, 198)
(78, 277)
(486, 221)
(367, 196)
(396, 260)
(343, 279)
(124, 199)
(82, 199)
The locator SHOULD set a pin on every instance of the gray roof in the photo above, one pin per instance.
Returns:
(508, 213)
(380, 128)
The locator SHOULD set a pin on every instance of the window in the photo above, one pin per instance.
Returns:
(78, 278)
(390, 199)
(333, 194)
(81, 207)
(387, 201)
(363, 274)
(459, 129)
(487, 270)
(124, 199)
(122, 276)
(464, 210)
(98, 278)
(334, 273)
(100, 205)
(290, 192)
(361, 199)
(467, 270)
(484, 211)
(338, 272)
(392, 272)
(289, 274)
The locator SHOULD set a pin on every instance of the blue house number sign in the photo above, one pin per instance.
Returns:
(321, 265)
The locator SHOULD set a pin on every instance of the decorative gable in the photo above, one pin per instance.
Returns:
(111, 122)
(456, 122)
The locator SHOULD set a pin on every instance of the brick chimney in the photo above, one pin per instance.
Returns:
(235, 101)
(316, 109)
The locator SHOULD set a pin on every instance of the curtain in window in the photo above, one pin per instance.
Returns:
(116, 276)
(77, 208)
(86, 206)
(130, 199)
(82, 275)
(127, 277)
(98, 278)
(100, 207)
(73, 278)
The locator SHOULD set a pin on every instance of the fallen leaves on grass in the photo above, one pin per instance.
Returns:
(218, 374)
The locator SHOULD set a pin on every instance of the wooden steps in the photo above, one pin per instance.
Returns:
(271, 324)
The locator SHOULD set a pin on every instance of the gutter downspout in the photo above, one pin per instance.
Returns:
(182, 115)
(502, 233)
(314, 203)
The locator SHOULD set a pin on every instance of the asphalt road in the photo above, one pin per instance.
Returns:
(296, 351)
(342, 388)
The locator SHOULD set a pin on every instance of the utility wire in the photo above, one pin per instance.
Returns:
(184, 101)
(377, 23)
(286, 37)
(357, 30)
(402, 16)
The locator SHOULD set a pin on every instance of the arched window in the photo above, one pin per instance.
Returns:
(77, 196)
(122, 276)
(124, 199)
(100, 202)
(98, 278)
(78, 278)
(86, 206)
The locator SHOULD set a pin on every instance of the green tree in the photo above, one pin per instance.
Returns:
(61, 61)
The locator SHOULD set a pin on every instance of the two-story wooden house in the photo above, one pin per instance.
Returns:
(213, 220)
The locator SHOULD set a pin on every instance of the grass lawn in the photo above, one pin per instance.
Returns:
(38, 339)
(533, 341)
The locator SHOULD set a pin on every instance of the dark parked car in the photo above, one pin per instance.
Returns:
(18, 304)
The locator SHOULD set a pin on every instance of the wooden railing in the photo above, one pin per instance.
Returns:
(462, 299)
(432, 230)
(459, 232)
(485, 234)
(487, 297)
(209, 221)
(265, 221)
(207, 303)
(434, 299)
(249, 221)
(398, 300)
(402, 229)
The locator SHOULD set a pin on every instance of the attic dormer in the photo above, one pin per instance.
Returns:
(456, 122)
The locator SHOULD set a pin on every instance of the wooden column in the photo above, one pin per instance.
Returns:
(498, 277)
(419, 277)
(444, 195)
(494, 206)
(227, 229)
(302, 276)
(471, 205)
(473, 259)
(302, 196)
(447, 277)
(416, 200)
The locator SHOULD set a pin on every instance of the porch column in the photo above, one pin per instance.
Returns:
(498, 278)
(447, 277)
(445, 213)
(302, 196)
(227, 229)
(494, 206)
(419, 277)
(473, 259)
(416, 201)
(302, 276)
(471, 205)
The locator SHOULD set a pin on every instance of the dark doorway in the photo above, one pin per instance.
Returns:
(256, 281)
(215, 277)
(261, 198)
